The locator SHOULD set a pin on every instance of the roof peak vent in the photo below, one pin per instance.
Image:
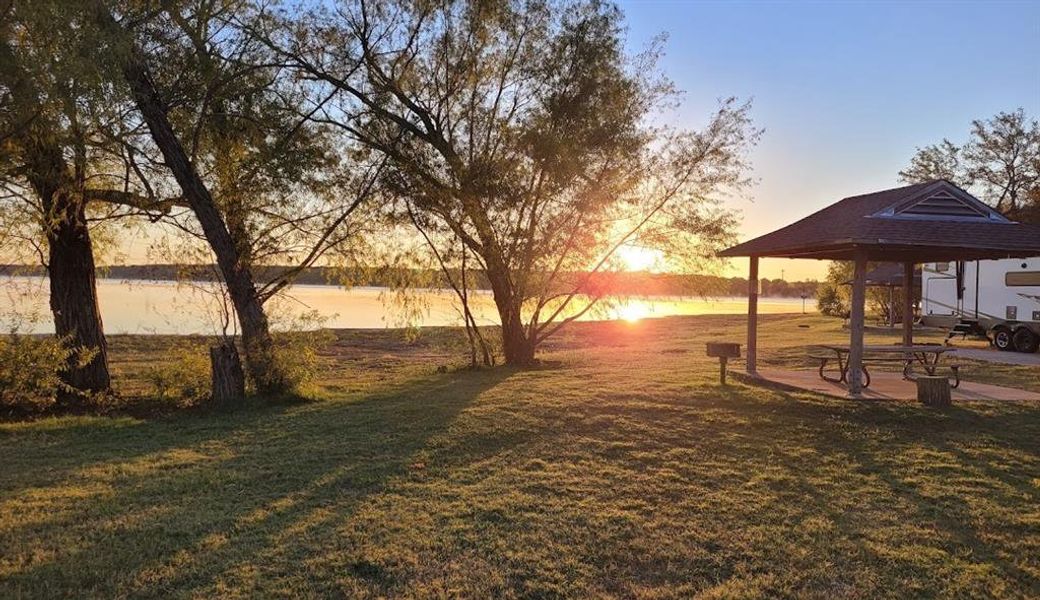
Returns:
(944, 203)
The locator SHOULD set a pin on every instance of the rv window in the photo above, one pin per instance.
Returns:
(942, 267)
(1020, 278)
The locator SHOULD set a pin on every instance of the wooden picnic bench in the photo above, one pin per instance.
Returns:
(926, 356)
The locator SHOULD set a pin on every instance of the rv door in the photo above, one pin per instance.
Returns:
(939, 296)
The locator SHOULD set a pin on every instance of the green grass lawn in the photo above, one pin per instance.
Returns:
(619, 469)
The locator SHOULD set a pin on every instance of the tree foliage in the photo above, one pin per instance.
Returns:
(61, 132)
(518, 138)
(834, 294)
(285, 185)
(1000, 162)
(263, 181)
(523, 130)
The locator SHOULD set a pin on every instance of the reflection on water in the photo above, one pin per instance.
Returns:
(166, 307)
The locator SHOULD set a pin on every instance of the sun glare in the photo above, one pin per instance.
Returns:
(633, 311)
(639, 258)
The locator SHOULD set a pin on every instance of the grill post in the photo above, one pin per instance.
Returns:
(723, 351)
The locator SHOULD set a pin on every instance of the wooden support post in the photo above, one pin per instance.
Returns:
(752, 317)
(856, 319)
(891, 306)
(722, 370)
(908, 304)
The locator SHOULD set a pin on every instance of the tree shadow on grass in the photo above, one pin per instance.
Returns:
(171, 504)
(919, 459)
(68, 444)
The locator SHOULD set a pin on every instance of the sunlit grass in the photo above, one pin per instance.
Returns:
(620, 468)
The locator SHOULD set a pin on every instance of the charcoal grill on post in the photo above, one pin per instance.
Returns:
(723, 351)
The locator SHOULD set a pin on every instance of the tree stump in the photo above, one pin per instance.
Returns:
(933, 390)
(229, 381)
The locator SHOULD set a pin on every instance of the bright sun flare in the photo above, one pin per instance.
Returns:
(633, 311)
(638, 258)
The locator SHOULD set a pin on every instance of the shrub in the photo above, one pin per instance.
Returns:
(297, 346)
(298, 355)
(833, 295)
(184, 378)
(830, 302)
(30, 369)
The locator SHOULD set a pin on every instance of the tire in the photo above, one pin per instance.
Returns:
(1025, 340)
(1002, 339)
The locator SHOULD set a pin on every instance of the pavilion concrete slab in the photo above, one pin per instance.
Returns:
(887, 386)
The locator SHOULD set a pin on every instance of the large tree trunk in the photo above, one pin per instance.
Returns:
(517, 347)
(74, 299)
(70, 268)
(256, 336)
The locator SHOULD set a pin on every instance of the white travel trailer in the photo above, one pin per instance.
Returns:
(996, 298)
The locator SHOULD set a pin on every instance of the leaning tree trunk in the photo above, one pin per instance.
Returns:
(74, 299)
(256, 335)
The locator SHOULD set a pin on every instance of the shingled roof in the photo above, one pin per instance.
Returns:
(926, 222)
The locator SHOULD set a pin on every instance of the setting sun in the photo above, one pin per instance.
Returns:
(633, 311)
(639, 258)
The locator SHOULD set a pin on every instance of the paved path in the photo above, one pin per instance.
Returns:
(996, 356)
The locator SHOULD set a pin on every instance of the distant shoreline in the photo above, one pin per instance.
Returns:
(625, 283)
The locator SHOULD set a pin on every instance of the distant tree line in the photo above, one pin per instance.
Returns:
(617, 282)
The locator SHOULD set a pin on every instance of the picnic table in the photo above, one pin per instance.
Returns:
(926, 356)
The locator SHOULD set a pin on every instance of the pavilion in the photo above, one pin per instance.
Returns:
(934, 221)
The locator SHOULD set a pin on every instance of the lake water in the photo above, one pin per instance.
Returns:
(165, 307)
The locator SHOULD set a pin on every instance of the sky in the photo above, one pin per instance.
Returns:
(844, 90)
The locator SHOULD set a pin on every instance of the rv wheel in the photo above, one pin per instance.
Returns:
(1025, 340)
(1002, 339)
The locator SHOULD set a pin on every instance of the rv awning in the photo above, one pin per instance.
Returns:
(927, 222)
